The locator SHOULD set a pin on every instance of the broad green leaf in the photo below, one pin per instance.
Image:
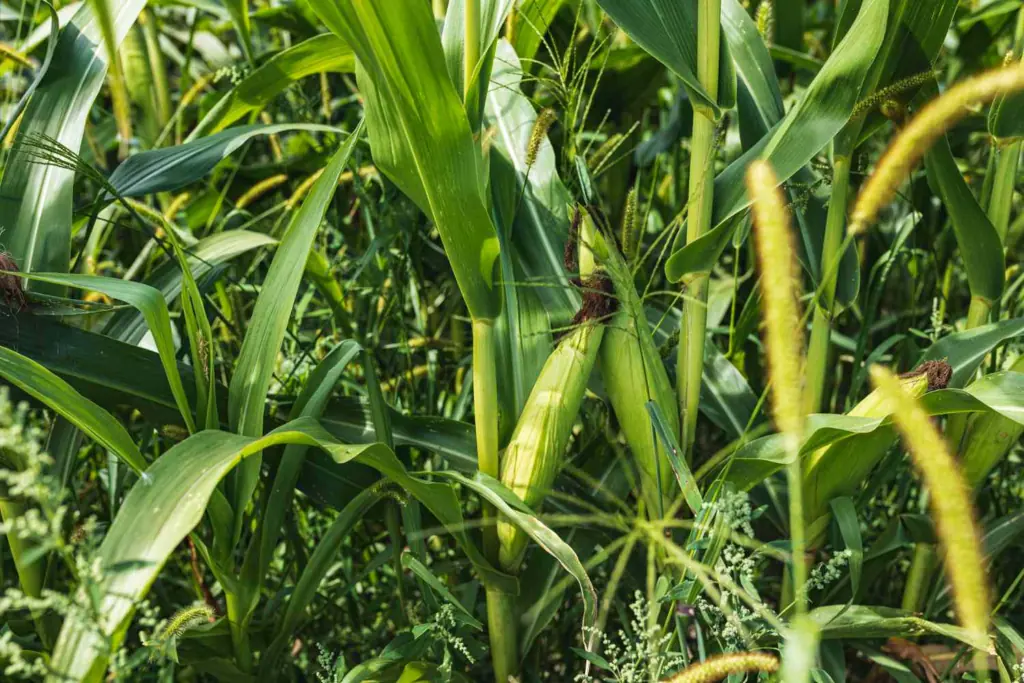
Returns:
(811, 124)
(170, 168)
(668, 30)
(257, 358)
(513, 509)
(1001, 392)
(540, 198)
(36, 199)
(62, 398)
(966, 350)
(759, 99)
(419, 133)
(169, 502)
(151, 304)
(109, 372)
(979, 242)
(323, 53)
(210, 252)
(863, 622)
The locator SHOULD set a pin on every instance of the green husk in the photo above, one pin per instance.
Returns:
(537, 447)
(839, 469)
(534, 456)
(633, 374)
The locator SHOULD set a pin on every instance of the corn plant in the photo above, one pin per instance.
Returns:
(512, 340)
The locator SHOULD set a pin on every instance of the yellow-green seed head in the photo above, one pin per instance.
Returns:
(720, 667)
(779, 277)
(910, 146)
(950, 503)
(539, 134)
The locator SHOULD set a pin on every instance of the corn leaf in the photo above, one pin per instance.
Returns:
(321, 54)
(668, 30)
(513, 509)
(62, 398)
(151, 304)
(171, 168)
(966, 350)
(999, 392)
(979, 242)
(861, 621)
(419, 132)
(163, 508)
(36, 199)
(257, 358)
(816, 119)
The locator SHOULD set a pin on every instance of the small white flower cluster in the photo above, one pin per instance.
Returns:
(443, 628)
(1018, 672)
(235, 73)
(732, 627)
(827, 573)
(735, 509)
(640, 658)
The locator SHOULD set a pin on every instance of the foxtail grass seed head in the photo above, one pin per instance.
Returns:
(910, 146)
(950, 502)
(630, 238)
(782, 323)
(890, 92)
(766, 21)
(540, 133)
(722, 666)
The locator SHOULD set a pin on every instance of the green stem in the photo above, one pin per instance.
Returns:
(501, 607)
(239, 632)
(919, 577)
(821, 329)
(472, 45)
(394, 521)
(797, 533)
(502, 626)
(693, 326)
(485, 412)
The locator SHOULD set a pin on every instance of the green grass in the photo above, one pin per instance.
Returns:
(289, 290)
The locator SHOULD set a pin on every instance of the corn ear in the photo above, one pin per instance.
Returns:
(839, 470)
(535, 452)
(633, 374)
(534, 455)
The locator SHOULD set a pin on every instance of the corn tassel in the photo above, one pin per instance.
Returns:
(838, 470)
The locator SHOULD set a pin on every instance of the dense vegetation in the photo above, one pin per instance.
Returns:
(533, 340)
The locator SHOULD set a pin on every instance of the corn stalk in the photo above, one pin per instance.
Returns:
(693, 326)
